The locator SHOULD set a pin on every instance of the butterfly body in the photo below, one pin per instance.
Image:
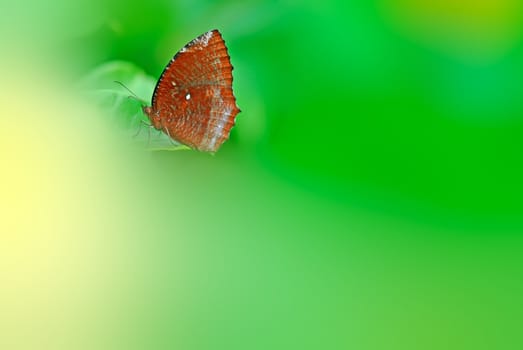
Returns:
(193, 102)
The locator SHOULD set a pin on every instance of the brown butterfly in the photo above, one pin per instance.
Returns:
(193, 102)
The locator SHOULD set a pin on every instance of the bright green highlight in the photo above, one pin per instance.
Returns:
(369, 196)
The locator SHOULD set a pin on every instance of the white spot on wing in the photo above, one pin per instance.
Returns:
(216, 95)
(188, 96)
(198, 43)
(204, 39)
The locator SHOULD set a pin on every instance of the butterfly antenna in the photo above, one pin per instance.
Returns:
(133, 95)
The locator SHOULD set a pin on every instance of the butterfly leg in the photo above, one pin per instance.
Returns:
(170, 137)
(142, 122)
(149, 126)
(148, 134)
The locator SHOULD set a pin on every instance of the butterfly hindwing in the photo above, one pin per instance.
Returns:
(194, 98)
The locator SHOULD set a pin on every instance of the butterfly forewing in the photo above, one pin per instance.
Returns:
(194, 98)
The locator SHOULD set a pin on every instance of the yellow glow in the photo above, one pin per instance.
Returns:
(483, 29)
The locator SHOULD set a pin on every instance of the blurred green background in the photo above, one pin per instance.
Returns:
(370, 196)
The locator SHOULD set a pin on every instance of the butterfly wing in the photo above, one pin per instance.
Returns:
(194, 97)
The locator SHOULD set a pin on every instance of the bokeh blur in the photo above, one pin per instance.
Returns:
(370, 196)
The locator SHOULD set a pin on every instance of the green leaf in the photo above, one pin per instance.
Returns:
(124, 109)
